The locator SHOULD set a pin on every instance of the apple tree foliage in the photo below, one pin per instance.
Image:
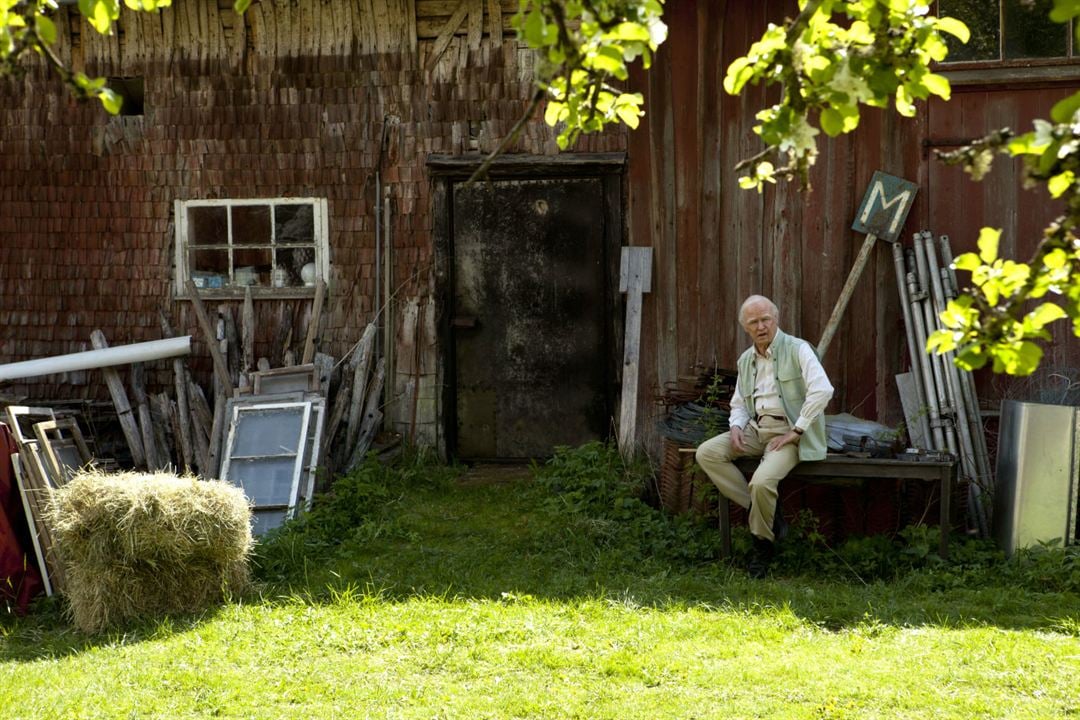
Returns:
(28, 26)
(836, 56)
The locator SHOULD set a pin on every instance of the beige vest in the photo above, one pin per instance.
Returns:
(789, 379)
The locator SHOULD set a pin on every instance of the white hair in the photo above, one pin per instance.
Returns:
(755, 299)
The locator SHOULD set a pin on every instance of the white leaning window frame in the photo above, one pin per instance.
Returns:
(321, 241)
(298, 463)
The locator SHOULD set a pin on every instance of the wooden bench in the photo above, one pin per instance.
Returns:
(844, 470)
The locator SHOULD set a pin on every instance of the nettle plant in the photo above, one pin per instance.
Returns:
(27, 26)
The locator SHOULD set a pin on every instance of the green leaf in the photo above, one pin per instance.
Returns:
(240, 6)
(111, 101)
(610, 60)
(554, 112)
(534, 29)
(1043, 315)
(954, 27)
(629, 31)
(1063, 110)
(971, 358)
(941, 342)
(988, 244)
(967, 261)
(832, 122)
(1061, 182)
(1055, 259)
(1065, 10)
(937, 84)
(1017, 359)
(631, 116)
(738, 74)
(46, 29)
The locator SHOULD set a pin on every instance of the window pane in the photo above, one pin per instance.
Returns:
(290, 267)
(268, 432)
(263, 521)
(252, 267)
(265, 482)
(209, 262)
(251, 224)
(982, 19)
(208, 226)
(294, 223)
(1029, 31)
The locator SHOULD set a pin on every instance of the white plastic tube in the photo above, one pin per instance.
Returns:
(91, 359)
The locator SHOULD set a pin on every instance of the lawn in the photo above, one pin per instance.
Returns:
(470, 598)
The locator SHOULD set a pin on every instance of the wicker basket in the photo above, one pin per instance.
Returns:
(682, 486)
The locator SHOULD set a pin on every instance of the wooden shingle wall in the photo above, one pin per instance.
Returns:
(294, 99)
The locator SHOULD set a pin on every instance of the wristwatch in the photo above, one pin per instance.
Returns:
(797, 430)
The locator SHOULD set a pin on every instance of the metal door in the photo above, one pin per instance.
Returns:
(529, 317)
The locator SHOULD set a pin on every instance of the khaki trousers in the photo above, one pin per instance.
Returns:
(759, 495)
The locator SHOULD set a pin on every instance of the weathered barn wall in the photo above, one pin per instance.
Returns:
(716, 244)
(293, 99)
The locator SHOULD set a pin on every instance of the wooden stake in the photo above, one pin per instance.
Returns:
(183, 414)
(845, 295)
(313, 326)
(146, 419)
(221, 370)
(362, 359)
(635, 279)
(123, 408)
(247, 330)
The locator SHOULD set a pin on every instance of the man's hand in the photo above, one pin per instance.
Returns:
(737, 439)
(778, 442)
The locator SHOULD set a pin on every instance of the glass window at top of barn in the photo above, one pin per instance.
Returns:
(272, 245)
(1007, 32)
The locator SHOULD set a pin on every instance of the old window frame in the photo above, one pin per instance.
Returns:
(182, 246)
(1013, 70)
(308, 412)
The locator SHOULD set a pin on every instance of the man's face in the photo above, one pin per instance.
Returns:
(759, 324)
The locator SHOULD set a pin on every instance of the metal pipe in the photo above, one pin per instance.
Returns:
(93, 359)
(952, 380)
(913, 349)
(967, 385)
(914, 294)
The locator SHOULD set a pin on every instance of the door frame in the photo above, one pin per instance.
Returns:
(445, 171)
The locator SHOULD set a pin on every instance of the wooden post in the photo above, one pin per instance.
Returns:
(635, 279)
(845, 295)
(313, 326)
(123, 407)
(373, 416)
(362, 360)
(221, 370)
(146, 419)
(247, 331)
(185, 454)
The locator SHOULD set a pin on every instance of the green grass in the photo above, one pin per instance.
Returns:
(468, 600)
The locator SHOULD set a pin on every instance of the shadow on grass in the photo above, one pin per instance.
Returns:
(488, 540)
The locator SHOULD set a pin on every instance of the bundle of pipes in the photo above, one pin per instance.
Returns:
(948, 418)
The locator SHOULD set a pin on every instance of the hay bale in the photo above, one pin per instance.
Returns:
(139, 545)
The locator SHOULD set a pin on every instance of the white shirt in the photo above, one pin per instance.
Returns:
(767, 392)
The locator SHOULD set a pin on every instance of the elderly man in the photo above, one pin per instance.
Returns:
(777, 415)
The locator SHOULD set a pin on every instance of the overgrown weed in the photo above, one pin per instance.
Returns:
(359, 507)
